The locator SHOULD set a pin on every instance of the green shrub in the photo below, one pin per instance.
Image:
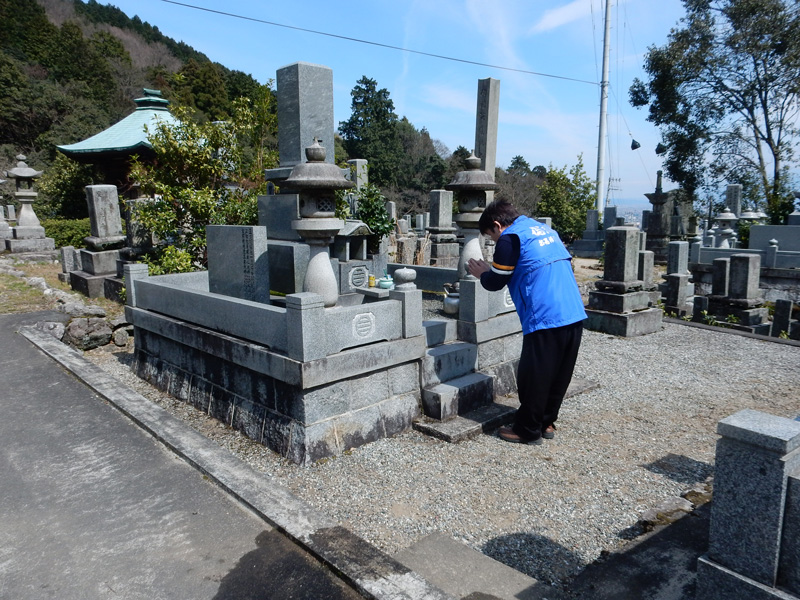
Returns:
(67, 232)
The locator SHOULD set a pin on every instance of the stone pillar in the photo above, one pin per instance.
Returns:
(621, 256)
(5, 228)
(305, 110)
(406, 291)
(132, 272)
(444, 244)
(755, 458)
(744, 276)
(305, 320)
(646, 269)
(782, 317)
(678, 257)
(486, 120)
(609, 217)
(104, 217)
(676, 293)
(719, 276)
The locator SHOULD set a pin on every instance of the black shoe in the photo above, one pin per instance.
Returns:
(549, 432)
(507, 434)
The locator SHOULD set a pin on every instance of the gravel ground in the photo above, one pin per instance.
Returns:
(644, 436)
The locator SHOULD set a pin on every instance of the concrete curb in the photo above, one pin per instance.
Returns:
(747, 334)
(366, 568)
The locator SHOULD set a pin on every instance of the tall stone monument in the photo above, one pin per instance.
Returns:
(657, 223)
(486, 120)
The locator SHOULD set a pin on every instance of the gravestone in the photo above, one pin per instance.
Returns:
(781, 320)
(591, 243)
(444, 243)
(733, 198)
(12, 212)
(621, 305)
(305, 111)
(238, 263)
(359, 174)
(98, 262)
(744, 300)
(104, 217)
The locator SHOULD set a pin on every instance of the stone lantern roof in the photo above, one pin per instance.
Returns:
(473, 178)
(23, 173)
(126, 137)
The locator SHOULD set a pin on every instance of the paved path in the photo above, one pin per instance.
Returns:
(93, 507)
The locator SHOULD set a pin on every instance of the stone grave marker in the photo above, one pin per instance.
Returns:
(238, 263)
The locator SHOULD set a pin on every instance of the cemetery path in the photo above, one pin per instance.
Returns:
(93, 507)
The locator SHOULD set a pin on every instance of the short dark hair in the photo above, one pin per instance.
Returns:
(501, 211)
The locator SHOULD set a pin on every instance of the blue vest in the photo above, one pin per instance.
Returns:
(543, 285)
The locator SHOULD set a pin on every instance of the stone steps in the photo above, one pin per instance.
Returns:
(487, 418)
(457, 396)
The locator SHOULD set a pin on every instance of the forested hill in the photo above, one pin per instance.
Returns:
(69, 69)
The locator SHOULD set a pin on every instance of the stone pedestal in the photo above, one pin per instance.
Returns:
(753, 542)
(28, 235)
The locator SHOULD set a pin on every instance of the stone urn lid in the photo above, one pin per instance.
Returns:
(473, 178)
(316, 174)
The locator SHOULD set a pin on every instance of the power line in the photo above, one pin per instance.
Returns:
(352, 39)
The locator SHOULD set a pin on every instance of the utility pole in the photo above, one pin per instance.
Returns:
(603, 109)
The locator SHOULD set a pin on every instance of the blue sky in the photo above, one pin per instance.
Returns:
(545, 119)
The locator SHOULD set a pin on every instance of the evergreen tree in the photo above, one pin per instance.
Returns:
(566, 196)
(371, 132)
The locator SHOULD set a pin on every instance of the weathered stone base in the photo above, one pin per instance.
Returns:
(715, 582)
(303, 425)
(92, 286)
(624, 325)
(30, 245)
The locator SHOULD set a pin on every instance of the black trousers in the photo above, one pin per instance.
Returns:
(545, 370)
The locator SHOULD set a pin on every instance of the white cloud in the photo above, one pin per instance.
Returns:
(444, 96)
(557, 17)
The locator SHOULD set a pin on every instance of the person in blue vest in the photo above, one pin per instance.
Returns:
(532, 261)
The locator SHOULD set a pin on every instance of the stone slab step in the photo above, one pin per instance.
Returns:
(448, 361)
(469, 425)
(440, 331)
(458, 396)
(465, 573)
(487, 418)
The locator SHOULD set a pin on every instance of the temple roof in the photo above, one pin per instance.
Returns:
(126, 137)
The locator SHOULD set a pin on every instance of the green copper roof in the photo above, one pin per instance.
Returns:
(128, 135)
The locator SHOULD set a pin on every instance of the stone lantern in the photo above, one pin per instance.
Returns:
(316, 182)
(470, 189)
(726, 224)
(28, 234)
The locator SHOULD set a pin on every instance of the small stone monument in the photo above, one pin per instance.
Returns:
(621, 305)
(98, 262)
(28, 235)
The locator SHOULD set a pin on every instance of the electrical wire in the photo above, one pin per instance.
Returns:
(390, 47)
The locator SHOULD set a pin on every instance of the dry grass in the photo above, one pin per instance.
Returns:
(16, 296)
